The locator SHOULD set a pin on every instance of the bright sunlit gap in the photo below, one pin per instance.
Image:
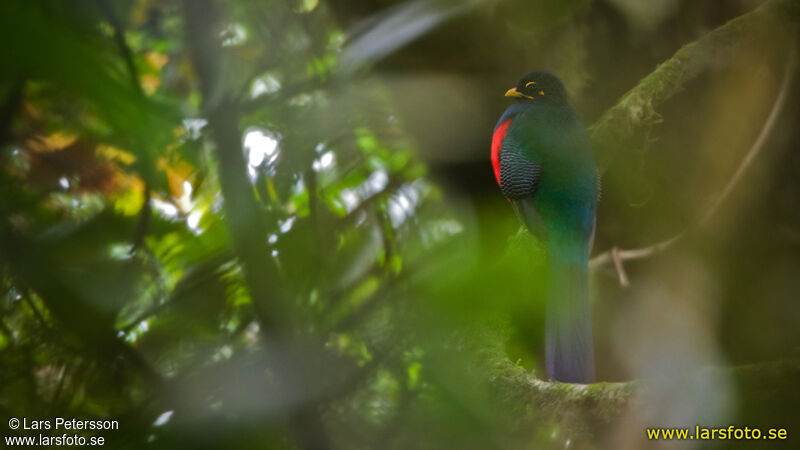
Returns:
(260, 147)
(376, 182)
(233, 34)
(324, 162)
(163, 418)
(194, 126)
(183, 206)
(265, 84)
(403, 204)
(166, 209)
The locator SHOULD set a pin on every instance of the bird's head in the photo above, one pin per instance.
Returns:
(539, 86)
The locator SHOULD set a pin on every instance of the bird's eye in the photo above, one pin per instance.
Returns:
(529, 83)
(541, 92)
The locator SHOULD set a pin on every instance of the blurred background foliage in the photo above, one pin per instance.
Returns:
(273, 224)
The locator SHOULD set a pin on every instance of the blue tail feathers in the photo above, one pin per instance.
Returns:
(569, 347)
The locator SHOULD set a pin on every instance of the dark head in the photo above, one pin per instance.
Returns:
(539, 86)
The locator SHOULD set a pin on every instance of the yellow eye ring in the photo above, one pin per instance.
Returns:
(541, 92)
(529, 83)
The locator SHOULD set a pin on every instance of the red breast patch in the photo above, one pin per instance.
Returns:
(497, 144)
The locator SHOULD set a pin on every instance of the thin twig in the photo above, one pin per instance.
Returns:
(143, 223)
(62, 378)
(127, 56)
(146, 314)
(620, 268)
(618, 256)
(637, 253)
(27, 298)
(119, 39)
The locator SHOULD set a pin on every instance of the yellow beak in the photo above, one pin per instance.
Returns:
(513, 92)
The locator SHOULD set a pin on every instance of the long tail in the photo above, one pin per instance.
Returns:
(570, 349)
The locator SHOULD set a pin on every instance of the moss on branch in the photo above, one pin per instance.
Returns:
(618, 127)
(598, 404)
(587, 403)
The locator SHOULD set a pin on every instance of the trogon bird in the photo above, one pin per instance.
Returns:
(544, 164)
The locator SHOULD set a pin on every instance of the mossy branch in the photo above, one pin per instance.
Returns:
(618, 127)
(586, 410)
(619, 256)
(595, 405)
(581, 403)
